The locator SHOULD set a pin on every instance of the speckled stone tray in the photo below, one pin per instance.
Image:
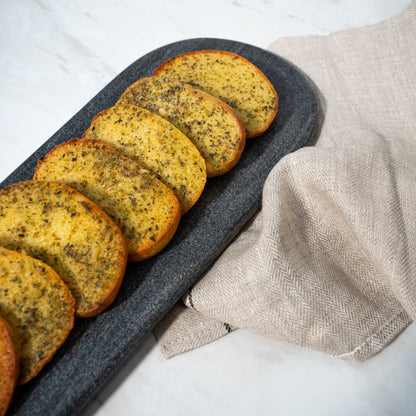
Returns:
(98, 346)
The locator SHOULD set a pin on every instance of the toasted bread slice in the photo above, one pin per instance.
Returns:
(56, 224)
(39, 308)
(157, 146)
(210, 124)
(232, 79)
(9, 365)
(146, 210)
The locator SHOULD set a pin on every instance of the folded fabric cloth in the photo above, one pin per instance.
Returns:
(330, 261)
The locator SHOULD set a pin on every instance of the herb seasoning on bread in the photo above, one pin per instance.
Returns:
(38, 307)
(157, 145)
(146, 211)
(56, 224)
(213, 126)
(232, 79)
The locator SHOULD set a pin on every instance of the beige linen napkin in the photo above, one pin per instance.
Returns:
(330, 261)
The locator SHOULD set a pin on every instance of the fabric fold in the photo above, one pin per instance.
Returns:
(329, 263)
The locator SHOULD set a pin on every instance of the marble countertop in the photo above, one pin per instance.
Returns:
(55, 56)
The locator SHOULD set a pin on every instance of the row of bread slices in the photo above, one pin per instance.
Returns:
(116, 195)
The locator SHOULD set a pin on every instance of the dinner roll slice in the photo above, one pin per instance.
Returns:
(231, 78)
(146, 211)
(56, 224)
(213, 126)
(39, 308)
(157, 145)
(9, 365)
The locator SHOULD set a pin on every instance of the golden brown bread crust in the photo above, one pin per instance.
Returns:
(169, 68)
(43, 219)
(38, 307)
(155, 144)
(242, 133)
(211, 124)
(128, 193)
(9, 366)
(152, 250)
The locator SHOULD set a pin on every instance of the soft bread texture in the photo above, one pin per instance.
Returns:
(9, 366)
(210, 124)
(156, 145)
(56, 224)
(39, 308)
(230, 78)
(146, 210)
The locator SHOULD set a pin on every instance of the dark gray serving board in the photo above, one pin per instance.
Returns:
(97, 346)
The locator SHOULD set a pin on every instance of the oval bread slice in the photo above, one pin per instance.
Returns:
(231, 78)
(146, 211)
(9, 366)
(39, 308)
(213, 126)
(56, 224)
(157, 146)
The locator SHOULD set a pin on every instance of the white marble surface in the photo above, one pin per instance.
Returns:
(54, 57)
